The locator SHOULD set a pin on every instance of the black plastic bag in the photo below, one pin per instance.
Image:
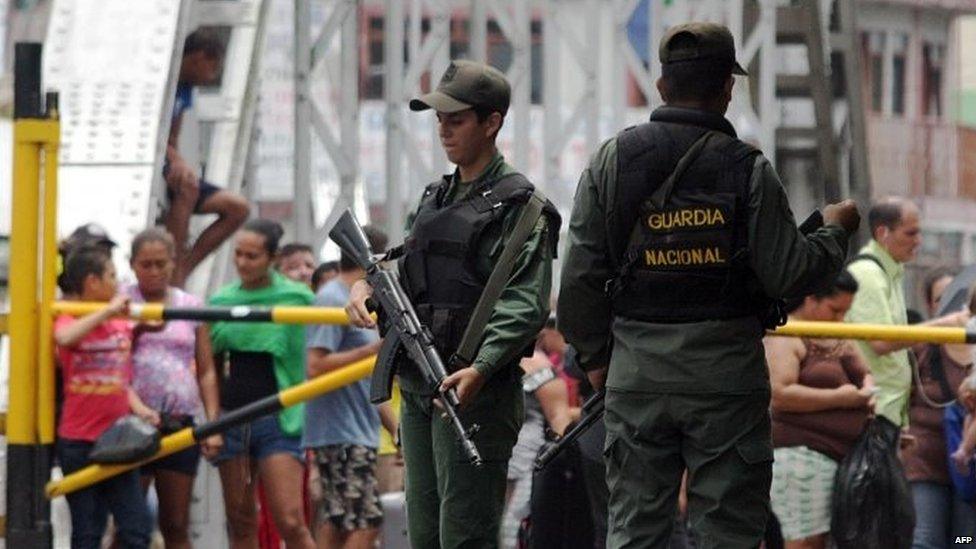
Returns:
(872, 501)
(129, 439)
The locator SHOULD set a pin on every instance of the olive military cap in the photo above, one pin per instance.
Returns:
(465, 85)
(699, 42)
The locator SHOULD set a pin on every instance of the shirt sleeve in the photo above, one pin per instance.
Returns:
(523, 305)
(788, 263)
(63, 321)
(871, 302)
(325, 336)
(585, 312)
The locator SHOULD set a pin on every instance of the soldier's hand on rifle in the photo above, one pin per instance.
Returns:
(359, 315)
(468, 381)
(597, 378)
(844, 214)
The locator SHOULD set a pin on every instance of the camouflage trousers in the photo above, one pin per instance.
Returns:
(350, 491)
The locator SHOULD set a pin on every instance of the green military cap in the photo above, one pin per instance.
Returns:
(699, 42)
(465, 85)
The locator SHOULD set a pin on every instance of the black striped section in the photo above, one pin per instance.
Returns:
(244, 414)
(213, 314)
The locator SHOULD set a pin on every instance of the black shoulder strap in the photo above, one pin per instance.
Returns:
(937, 371)
(661, 195)
(493, 194)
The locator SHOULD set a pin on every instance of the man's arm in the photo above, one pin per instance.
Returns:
(585, 313)
(173, 143)
(871, 306)
(787, 263)
(179, 171)
(321, 339)
(388, 418)
(321, 360)
(68, 334)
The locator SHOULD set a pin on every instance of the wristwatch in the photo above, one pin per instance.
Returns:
(531, 382)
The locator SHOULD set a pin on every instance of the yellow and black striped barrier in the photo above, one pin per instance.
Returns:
(239, 313)
(187, 437)
(310, 389)
(335, 315)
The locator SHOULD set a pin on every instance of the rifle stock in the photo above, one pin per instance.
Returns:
(592, 411)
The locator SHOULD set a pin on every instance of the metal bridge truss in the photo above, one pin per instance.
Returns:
(417, 40)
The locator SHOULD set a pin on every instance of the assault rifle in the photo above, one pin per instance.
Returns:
(592, 411)
(593, 407)
(404, 330)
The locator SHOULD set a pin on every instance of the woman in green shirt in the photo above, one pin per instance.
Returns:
(256, 360)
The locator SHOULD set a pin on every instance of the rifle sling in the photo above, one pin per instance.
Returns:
(498, 279)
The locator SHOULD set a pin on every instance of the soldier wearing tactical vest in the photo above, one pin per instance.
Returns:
(681, 239)
(456, 239)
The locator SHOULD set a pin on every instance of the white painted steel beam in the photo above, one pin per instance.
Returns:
(393, 94)
(334, 55)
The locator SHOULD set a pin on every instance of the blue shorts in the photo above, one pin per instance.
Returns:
(259, 439)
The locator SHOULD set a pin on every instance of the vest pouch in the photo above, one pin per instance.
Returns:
(446, 325)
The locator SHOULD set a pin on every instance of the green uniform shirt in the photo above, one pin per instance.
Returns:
(718, 356)
(880, 299)
(286, 342)
(522, 307)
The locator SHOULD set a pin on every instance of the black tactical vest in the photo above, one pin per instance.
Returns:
(438, 267)
(687, 259)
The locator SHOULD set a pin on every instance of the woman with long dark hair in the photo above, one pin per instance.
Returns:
(256, 360)
(822, 395)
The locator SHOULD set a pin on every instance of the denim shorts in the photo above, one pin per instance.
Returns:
(259, 439)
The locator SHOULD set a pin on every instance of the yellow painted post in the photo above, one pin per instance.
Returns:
(49, 265)
(28, 462)
(22, 410)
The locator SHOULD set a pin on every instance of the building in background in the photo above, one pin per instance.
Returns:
(919, 85)
(918, 62)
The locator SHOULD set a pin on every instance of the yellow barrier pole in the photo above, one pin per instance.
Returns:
(185, 438)
(875, 332)
(49, 265)
(334, 315)
(309, 315)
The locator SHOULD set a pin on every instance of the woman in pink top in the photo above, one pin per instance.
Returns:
(173, 373)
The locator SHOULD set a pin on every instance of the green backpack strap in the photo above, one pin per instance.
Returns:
(473, 333)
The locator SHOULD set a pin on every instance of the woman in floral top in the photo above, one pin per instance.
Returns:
(173, 373)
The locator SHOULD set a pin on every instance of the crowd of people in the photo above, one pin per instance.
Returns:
(178, 373)
(714, 436)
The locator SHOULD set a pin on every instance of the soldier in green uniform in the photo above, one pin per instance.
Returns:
(680, 238)
(456, 237)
